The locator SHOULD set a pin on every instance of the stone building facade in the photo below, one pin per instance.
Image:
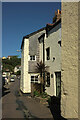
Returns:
(70, 83)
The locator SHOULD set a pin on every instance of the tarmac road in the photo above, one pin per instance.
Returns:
(11, 106)
(16, 105)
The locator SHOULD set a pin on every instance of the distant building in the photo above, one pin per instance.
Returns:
(9, 57)
(6, 73)
(17, 68)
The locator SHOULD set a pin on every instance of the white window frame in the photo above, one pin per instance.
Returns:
(34, 79)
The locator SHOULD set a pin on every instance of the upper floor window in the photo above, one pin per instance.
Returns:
(32, 57)
(48, 53)
(59, 42)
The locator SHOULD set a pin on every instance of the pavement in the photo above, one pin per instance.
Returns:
(17, 105)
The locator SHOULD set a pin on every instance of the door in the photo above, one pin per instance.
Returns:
(58, 84)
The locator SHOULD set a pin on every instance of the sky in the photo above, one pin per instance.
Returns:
(22, 18)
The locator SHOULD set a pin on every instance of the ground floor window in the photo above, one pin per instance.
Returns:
(48, 79)
(58, 84)
(34, 78)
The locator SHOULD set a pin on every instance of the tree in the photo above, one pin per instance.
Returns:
(7, 66)
(11, 63)
(42, 69)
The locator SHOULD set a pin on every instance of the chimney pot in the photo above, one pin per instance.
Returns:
(58, 11)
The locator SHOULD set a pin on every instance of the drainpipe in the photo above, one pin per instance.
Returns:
(43, 37)
(43, 51)
(44, 60)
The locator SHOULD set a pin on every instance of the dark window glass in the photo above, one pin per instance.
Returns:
(36, 78)
(32, 78)
(58, 84)
(48, 79)
(48, 53)
(33, 57)
(59, 42)
(30, 57)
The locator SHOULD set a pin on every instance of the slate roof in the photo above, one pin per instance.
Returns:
(51, 26)
(33, 33)
(56, 21)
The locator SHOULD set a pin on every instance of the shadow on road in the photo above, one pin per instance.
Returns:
(54, 105)
(5, 91)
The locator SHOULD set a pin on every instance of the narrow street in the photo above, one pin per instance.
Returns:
(16, 105)
(9, 101)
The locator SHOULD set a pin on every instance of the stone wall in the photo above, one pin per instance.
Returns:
(79, 60)
(69, 74)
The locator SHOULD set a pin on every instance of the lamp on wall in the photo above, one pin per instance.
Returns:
(53, 59)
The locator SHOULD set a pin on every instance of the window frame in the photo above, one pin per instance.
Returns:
(35, 80)
(32, 57)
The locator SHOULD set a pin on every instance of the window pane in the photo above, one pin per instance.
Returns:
(32, 78)
(58, 84)
(33, 57)
(30, 57)
(48, 53)
(48, 79)
(36, 78)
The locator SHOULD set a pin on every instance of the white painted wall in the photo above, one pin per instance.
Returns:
(25, 84)
(55, 51)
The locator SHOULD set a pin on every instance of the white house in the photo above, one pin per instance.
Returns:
(52, 55)
(45, 45)
(29, 59)
(17, 68)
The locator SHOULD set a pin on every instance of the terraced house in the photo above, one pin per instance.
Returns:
(52, 55)
(30, 57)
(43, 45)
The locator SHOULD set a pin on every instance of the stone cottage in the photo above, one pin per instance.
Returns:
(43, 45)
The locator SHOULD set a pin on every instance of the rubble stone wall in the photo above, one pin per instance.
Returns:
(69, 54)
(79, 60)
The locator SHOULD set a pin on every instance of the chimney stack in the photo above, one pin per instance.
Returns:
(57, 16)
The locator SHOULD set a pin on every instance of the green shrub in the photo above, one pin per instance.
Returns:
(36, 93)
(49, 100)
(44, 95)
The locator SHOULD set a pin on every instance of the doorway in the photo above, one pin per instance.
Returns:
(58, 84)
